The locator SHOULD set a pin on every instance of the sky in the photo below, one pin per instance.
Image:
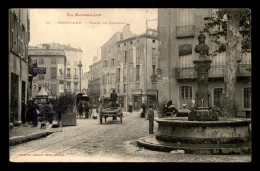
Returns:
(92, 33)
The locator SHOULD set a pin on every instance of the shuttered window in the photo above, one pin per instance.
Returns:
(185, 92)
(185, 22)
(53, 73)
(247, 98)
(217, 96)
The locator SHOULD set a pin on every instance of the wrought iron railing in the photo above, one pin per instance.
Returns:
(244, 69)
(215, 71)
(184, 72)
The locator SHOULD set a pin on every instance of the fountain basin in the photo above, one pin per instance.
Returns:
(179, 129)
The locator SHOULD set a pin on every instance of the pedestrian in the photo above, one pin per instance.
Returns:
(86, 109)
(35, 111)
(29, 114)
(80, 108)
(169, 103)
(48, 110)
(143, 111)
(151, 119)
(171, 109)
(113, 98)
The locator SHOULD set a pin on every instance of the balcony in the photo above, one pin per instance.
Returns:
(185, 31)
(243, 70)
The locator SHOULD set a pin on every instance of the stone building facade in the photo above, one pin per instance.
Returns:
(54, 80)
(74, 57)
(178, 30)
(137, 62)
(19, 78)
(109, 61)
(94, 82)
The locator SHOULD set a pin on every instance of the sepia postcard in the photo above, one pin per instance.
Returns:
(129, 85)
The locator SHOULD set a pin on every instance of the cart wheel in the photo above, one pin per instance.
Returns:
(121, 119)
(100, 118)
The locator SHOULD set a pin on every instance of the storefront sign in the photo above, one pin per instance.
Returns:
(39, 70)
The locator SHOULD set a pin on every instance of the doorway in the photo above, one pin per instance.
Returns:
(137, 102)
(14, 97)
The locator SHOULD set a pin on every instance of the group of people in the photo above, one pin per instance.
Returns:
(84, 107)
(33, 111)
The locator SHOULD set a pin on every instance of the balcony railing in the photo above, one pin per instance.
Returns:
(214, 72)
(185, 31)
(217, 71)
(184, 72)
(244, 70)
(68, 76)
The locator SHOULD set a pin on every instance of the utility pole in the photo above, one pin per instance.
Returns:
(80, 65)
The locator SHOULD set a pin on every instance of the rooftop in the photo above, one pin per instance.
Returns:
(152, 34)
(46, 52)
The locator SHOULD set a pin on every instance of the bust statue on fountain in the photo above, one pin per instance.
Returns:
(202, 48)
(202, 111)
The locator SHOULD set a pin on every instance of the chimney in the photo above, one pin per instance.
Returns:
(126, 28)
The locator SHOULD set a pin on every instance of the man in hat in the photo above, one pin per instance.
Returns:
(113, 97)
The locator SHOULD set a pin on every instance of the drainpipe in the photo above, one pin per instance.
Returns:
(127, 76)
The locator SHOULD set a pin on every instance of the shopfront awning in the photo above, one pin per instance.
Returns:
(42, 92)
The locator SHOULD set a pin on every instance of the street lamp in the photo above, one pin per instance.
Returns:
(80, 65)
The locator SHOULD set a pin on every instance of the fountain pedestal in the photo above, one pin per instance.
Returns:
(203, 132)
(202, 111)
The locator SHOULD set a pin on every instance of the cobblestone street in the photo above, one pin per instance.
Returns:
(112, 141)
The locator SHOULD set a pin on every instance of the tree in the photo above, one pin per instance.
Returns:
(230, 30)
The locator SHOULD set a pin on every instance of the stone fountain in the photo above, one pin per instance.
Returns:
(202, 132)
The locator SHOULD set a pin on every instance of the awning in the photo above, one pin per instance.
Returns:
(42, 92)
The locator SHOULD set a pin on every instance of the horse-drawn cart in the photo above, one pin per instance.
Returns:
(110, 110)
